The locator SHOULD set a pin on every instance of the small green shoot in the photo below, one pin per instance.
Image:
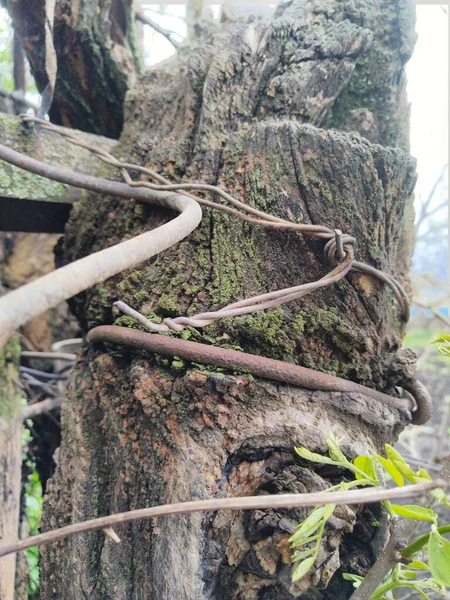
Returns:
(306, 541)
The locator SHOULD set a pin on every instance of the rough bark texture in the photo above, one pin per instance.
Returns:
(23, 257)
(48, 147)
(97, 58)
(26, 256)
(242, 111)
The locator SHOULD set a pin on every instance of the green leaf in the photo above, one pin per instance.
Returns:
(406, 471)
(301, 541)
(442, 342)
(393, 454)
(376, 524)
(409, 574)
(303, 568)
(418, 479)
(412, 511)
(32, 503)
(401, 464)
(334, 449)
(418, 564)
(440, 495)
(439, 558)
(351, 577)
(301, 554)
(357, 580)
(367, 465)
(423, 473)
(329, 510)
(348, 485)
(308, 526)
(392, 470)
(313, 457)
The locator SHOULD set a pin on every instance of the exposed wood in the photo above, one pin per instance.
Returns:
(44, 406)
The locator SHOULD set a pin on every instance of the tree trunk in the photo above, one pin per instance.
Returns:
(10, 461)
(243, 111)
(98, 58)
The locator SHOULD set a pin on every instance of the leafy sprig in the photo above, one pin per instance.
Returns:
(442, 342)
(306, 541)
(33, 511)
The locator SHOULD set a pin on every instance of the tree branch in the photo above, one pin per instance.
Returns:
(424, 213)
(34, 410)
(143, 18)
(435, 312)
(19, 97)
(276, 501)
(68, 356)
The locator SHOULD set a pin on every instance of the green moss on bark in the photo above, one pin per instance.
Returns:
(10, 405)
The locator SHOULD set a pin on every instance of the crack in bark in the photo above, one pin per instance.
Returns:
(301, 188)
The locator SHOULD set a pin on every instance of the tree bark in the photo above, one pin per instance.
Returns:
(98, 59)
(26, 256)
(10, 461)
(23, 257)
(247, 110)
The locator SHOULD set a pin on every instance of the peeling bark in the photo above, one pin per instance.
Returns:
(243, 111)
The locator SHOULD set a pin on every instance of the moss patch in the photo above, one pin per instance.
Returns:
(18, 183)
(10, 404)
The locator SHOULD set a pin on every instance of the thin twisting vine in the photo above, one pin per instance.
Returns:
(338, 248)
(48, 291)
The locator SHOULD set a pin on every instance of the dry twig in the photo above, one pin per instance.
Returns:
(239, 503)
(34, 410)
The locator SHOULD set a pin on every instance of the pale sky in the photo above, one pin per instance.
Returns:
(427, 74)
